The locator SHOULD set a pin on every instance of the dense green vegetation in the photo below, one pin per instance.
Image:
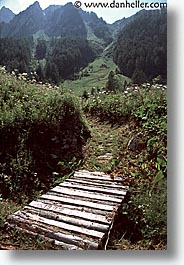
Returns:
(67, 57)
(16, 54)
(141, 48)
(62, 41)
(33, 123)
(142, 117)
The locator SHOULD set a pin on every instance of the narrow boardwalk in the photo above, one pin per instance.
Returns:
(78, 214)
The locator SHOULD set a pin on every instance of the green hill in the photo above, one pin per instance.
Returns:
(96, 77)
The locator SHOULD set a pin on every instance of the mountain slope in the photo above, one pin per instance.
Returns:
(6, 15)
(141, 47)
(97, 26)
(65, 21)
(25, 23)
(58, 20)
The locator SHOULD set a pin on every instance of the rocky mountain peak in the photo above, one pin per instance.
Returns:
(6, 15)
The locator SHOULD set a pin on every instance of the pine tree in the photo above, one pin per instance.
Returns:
(110, 82)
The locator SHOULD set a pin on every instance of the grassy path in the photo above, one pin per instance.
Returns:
(102, 148)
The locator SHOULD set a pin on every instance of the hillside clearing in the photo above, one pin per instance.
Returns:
(97, 76)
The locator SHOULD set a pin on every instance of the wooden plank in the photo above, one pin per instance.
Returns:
(59, 224)
(85, 199)
(96, 177)
(105, 184)
(95, 173)
(48, 234)
(4, 246)
(68, 219)
(66, 246)
(101, 175)
(87, 194)
(69, 183)
(78, 202)
(74, 207)
(71, 212)
(60, 244)
(84, 243)
(98, 184)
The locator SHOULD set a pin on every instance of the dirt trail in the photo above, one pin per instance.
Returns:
(103, 146)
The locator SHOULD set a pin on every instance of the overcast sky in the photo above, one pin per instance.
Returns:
(109, 14)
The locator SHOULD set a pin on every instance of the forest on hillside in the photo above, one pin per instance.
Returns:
(16, 54)
(141, 48)
(52, 61)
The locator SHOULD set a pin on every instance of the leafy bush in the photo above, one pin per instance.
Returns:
(115, 108)
(148, 210)
(34, 123)
(147, 205)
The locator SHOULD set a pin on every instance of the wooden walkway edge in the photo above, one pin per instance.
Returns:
(78, 214)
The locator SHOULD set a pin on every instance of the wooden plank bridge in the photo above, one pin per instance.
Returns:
(77, 214)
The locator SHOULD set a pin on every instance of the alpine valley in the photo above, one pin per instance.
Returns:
(59, 42)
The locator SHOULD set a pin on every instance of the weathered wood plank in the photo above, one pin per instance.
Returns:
(100, 175)
(60, 244)
(104, 184)
(86, 194)
(80, 185)
(78, 202)
(95, 173)
(96, 177)
(66, 246)
(67, 211)
(75, 207)
(49, 234)
(68, 219)
(82, 198)
(59, 224)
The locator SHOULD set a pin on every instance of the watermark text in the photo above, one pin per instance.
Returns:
(122, 4)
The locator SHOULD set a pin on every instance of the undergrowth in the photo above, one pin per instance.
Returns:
(39, 127)
(141, 161)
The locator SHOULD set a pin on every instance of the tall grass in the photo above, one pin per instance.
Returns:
(31, 118)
